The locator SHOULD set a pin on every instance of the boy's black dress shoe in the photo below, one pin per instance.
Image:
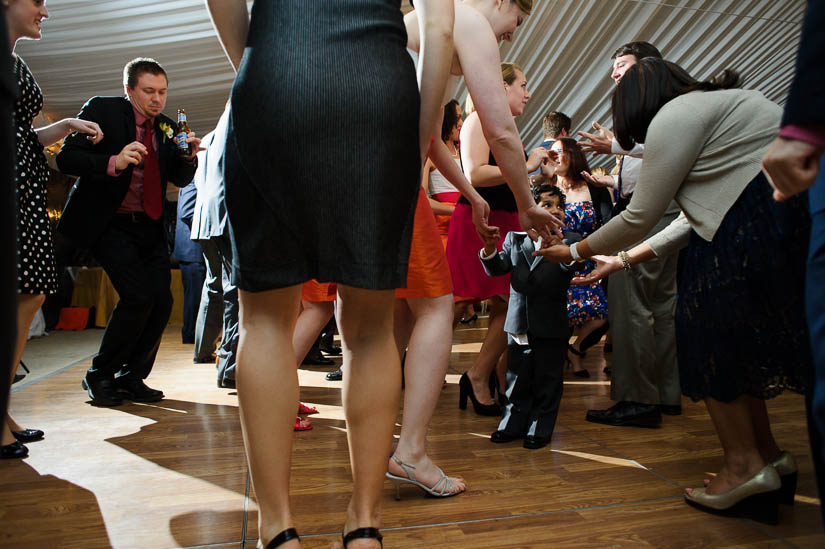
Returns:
(227, 383)
(137, 391)
(101, 391)
(628, 413)
(335, 375)
(532, 442)
(502, 436)
(28, 435)
(13, 451)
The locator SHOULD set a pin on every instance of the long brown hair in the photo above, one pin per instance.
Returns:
(578, 162)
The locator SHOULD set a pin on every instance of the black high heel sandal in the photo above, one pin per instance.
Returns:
(581, 354)
(465, 390)
(283, 537)
(363, 533)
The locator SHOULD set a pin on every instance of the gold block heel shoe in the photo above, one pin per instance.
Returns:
(757, 498)
(785, 465)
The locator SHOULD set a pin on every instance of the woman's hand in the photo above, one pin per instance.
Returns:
(90, 129)
(537, 157)
(597, 143)
(598, 180)
(605, 265)
(554, 250)
(481, 218)
(538, 222)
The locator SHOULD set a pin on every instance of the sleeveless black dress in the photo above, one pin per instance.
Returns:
(322, 164)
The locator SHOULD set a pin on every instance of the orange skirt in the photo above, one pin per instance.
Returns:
(443, 221)
(318, 292)
(428, 274)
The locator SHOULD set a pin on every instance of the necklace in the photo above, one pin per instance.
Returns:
(454, 152)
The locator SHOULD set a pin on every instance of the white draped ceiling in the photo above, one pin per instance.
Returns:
(564, 48)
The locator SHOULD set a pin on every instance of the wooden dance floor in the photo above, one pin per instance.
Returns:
(173, 473)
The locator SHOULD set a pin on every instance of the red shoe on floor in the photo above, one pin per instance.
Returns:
(302, 424)
(306, 409)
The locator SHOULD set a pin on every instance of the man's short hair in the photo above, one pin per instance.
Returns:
(553, 124)
(138, 66)
(638, 49)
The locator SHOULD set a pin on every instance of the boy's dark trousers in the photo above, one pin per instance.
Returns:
(534, 386)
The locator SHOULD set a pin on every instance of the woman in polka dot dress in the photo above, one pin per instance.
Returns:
(35, 258)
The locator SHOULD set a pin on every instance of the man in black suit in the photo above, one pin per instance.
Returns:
(115, 208)
(796, 162)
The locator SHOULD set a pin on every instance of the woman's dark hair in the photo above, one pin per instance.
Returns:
(450, 119)
(578, 163)
(647, 86)
(638, 50)
(552, 190)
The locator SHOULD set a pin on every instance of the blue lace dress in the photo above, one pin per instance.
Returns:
(584, 303)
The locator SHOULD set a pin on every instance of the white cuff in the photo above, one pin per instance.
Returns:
(482, 256)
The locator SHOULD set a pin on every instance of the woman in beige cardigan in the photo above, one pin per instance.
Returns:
(740, 325)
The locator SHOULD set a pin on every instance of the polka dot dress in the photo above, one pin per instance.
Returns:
(36, 273)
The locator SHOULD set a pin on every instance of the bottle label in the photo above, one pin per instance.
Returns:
(180, 139)
(181, 118)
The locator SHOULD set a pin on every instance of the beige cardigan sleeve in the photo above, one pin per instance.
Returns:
(675, 140)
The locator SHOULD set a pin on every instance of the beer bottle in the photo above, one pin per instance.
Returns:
(181, 133)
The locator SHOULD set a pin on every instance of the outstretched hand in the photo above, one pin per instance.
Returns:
(605, 265)
(598, 180)
(597, 143)
(538, 222)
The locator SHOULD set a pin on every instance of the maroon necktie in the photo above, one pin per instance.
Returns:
(151, 175)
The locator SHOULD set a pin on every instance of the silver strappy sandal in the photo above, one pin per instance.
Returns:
(444, 488)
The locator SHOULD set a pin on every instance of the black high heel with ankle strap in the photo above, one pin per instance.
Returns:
(363, 533)
(280, 539)
(465, 390)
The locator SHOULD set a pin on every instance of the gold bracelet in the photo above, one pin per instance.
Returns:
(625, 261)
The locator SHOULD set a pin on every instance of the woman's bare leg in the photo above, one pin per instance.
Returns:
(428, 356)
(311, 320)
(27, 307)
(495, 343)
(372, 387)
(267, 383)
(736, 431)
(581, 332)
(768, 448)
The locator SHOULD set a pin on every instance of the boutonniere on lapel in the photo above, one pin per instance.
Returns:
(168, 133)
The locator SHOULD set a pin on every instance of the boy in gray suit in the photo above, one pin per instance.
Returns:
(537, 329)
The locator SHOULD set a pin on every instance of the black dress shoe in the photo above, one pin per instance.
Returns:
(15, 450)
(502, 436)
(136, 390)
(671, 409)
(227, 383)
(205, 359)
(101, 391)
(627, 413)
(330, 348)
(28, 435)
(317, 359)
(533, 442)
(335, 375)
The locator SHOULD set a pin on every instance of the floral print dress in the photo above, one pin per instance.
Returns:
(589, 302)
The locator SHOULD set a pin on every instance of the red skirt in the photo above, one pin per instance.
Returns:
(463, 243)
